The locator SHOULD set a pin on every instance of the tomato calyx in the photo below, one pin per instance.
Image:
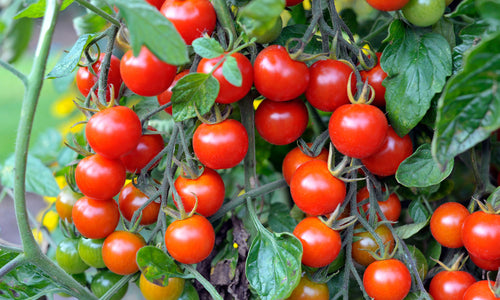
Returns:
(370, 55)
(456, 266)
(336, 223)
(342, 167)
(487, 207)
(366, 96)
(217, 114)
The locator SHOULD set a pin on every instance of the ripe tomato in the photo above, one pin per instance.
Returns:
(208, 190)
(375, 76)
(327, 76)
(488, 265)
(292, 3)
(100, 178)
(86, 80)
(64, 203)
(90, 251)
(281, 123)
(387, 5)
(277, 76)
(105, 280)
(390, 155)
(450, 284)
(119, 251)
(295, 158)
(229, 93)
(310, 290)
(358, 130)
(146, 75)
(147, 148)
(361, 248)
(222, 145)
(391, 208)
(387, 279)
(67, 257)
(315, 190)
(114, 131)
(152, 291)
(481, 235)
(446, 224)
(190, 240)
(191, 18)
(156, 3)
(131, 199)
(424, 12)
(95, 219)
(321, 244)
(480, 291)
(165, 96)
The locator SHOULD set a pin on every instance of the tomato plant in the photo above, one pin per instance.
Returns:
(90, 251)
(387, 279)
(95, 219)
(131, 199)
(375, 76)
(387, 5)
(166, 95)
(119, 251)
(152, 291)
(65, 201)
(480, 290)
(424, 12)
(85, 80)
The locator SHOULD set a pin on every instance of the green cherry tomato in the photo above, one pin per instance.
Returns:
(90, 251)
(67, 257)
(269, 32)
(424, 12)
(103, 281)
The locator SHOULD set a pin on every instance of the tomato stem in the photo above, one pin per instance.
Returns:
(99, 12)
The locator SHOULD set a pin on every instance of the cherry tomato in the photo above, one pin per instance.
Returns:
(277, 76)
(229, 93)
(391, 208)
(165, 96)
(222, 145)
(65, 201)
(105, 280)
(86, 80)
(387, 5)
(424, 12)
(190, 240)
(358, 130)
(387, 280)
(450, 284)
(292, 3)
(146, 75)
(191, 18)
(156, 3)
(375, 76)
(295, 158)
(390, 155)
(315, 190)
(321, 244)
(114, 131)
(281, 123)
(131, 199)
(362, 249)
(208, 190)
(327, 76)
(480, 291)
(90, 251)
(152, 291)
(446, 224)
(67, 257)
(95, 219)
(481, 235)
(488, 265)
(100, 178)
(310, 290)
(147, 148)
(119, 252)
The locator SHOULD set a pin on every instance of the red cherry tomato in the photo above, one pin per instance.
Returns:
(86, 80)
(321, 244)
(387, 5)
(375, 76)
(95, 219)
(114, 131)
(100, 178)
(229, 93)
(293, 2)
(488, 265)
(281, 123)
(481, 235)
(191, 240)
(119, 252)
(156, 3)
(310, 290)
(131, 199)
(315, 190)
(295, 158)
(450, 284)
(222, 145)
(480, 291)
(390, 155)
(148, 147)
(277, 76)
(446, 224)
(363, 248)
(387, 280)
(327, 76)
(165, 97)
(146, 75)
(358, 130)
(391, 208)
(191, 18)
(208, 190)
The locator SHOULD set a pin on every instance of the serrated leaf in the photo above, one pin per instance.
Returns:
(37, 9)
(156, 265)
(417, 63)
(259, 16)
(207, 47)
(195, 91)
(469, 109)
(409, 230)
(70, 61)
(421, 170)
(231, 71)
(147, 26)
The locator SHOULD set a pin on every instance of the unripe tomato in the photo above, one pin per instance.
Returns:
(103, 281)
(67, 257)
(152, 291)
(424, 12)
(387, 280)
(362, 248)
(119, 252)
(295, 158)
(65, 201)
(450, 285)
(147, 148)
(95, 219)
(131, 199)
(375, 77)
(90, 251)
(267, 34)
(86, 80)
(165, 96)
(446, 224)
(310, 290)
(386, 5)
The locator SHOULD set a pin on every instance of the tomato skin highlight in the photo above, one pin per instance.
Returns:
(131, 199)
(95, 219)
(424, 13)
(480, 290)
(481, 235)
(119, 252)
(446, 224)
(86, 80)
(152, 291)
(387, 280)
(450, 284)
(295, 158)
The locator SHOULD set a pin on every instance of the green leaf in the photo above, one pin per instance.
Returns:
(70, 61)
(433, 251)
(417, 63)
(37, 9)
(409, 230)
(91, 22)
(469, 36)
(15, 39)
(417, 211)
(47, 146)
(207, 47)
(489, 11)
(147, 26)
(466, 7)
(231, 71)
(297, 31)
(273, 265)
(421, 170)
(280, 219)
(156, 265)
(39, 178)
(469, 109)
(195, 91)
(259, 16)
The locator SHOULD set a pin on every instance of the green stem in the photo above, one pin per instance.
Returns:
(15, 72)
(248, 120)
(99, 12)
(117, 286)
(203, 281)
(103, 74)
(11, 265)
(224, 17)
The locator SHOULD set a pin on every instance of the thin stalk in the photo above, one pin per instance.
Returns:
(203, 281)
(103, 74)
(15, 72)
(99, 12)
(247, 119)
(224, 17)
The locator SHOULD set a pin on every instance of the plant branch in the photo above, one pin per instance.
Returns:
(11, 265)
(99, 12)
(15, 72)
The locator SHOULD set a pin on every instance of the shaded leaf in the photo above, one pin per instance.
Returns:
(156, 265)
(255, 21)
(280, 219)
(466, 7)
(15, 40)
(409, 230)
(47, 146)
(417, 211)
(90, 22)
(433, 251)
(70, 61)
(37, 9)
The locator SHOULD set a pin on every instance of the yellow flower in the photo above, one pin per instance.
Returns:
(49, 219)
(38, 235)
(306, 4)
(63, 106)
